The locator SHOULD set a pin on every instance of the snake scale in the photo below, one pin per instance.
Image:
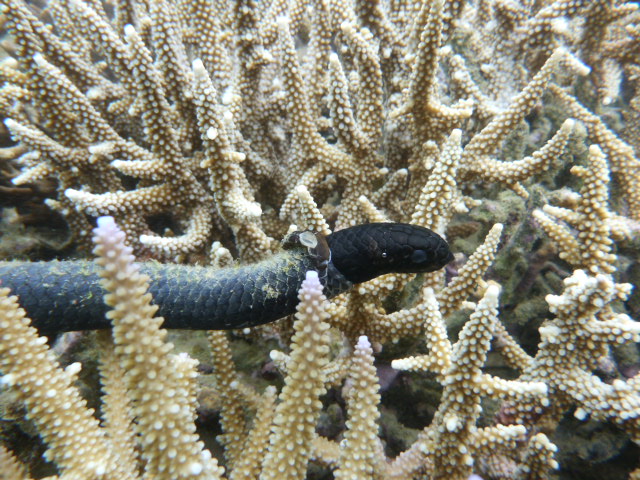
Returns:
(66, 295)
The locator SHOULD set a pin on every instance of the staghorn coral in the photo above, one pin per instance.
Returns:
(206, 128)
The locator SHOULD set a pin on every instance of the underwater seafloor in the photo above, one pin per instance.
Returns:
(526, 266)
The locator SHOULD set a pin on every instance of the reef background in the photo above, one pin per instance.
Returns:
(207, 129)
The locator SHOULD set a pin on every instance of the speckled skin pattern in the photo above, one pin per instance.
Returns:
(66, 295)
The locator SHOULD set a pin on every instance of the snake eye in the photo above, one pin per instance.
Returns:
(418, 256)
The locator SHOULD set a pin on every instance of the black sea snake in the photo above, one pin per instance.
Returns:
(66, 295)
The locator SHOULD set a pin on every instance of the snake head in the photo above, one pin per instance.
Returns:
(366, 251)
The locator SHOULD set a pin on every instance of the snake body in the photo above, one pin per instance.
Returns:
(66, 295)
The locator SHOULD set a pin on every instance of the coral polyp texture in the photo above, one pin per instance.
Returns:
(202, 132)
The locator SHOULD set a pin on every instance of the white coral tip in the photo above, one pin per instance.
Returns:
(72, 194)
(595, 150)
(129, 30)
(452, 423)
(197, 64)
(10, 62)
(363, 343)
(346, 26)
(282, 22)
(492, 293)
(254, 210)
(148, 239)
(312, 277)
(195, 468)
(105, 222)
(75, 367)
(39, 59)
(580, 414)
(211, 133)
(400, 364)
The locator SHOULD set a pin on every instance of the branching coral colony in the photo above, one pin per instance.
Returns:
(491, 122)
